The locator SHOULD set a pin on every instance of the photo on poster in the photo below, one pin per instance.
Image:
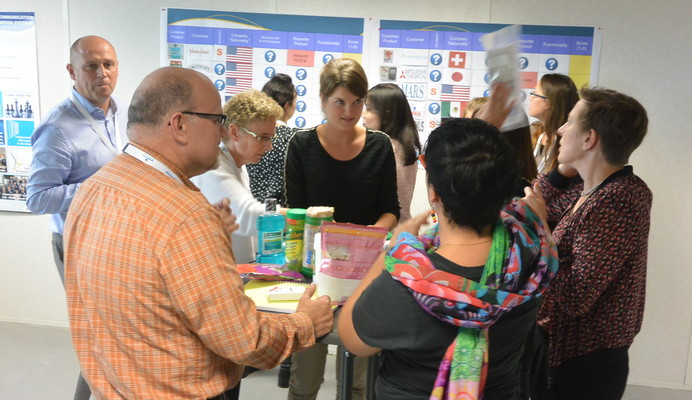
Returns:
(3, 160)
(13, 187)
(176, 51)
(387, 74)
(19, 132)
(19, 160)
(19, 105)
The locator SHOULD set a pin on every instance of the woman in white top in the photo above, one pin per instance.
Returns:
(551, 101)
(387, 110)
(251, 117)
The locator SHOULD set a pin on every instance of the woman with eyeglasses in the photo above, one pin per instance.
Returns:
(251, 119)
(350, 168)
(553, 98)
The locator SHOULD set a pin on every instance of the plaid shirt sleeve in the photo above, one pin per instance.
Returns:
(208, 294)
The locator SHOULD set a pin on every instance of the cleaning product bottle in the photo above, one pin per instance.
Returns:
(313, 220)
(295, 224)
(270, 235)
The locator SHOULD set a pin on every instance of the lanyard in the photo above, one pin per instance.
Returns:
(537, 149)
(95, 127)
(148, 159)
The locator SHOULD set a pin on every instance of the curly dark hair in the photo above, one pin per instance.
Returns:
(473, 170)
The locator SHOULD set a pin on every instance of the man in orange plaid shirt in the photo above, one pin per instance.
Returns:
(157, 309)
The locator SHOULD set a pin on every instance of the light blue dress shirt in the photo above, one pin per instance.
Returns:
(66, 151)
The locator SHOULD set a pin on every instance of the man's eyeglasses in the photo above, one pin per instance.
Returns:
(260, 138)
(534, 94)
(219, 118)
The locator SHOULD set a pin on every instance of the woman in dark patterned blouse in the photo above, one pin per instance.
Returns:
(267, 176)
(594, 306)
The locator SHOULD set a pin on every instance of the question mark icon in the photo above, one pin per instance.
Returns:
(435, 75)
(269, 72)
(301, 74)
(327, 58)
(523, 62)
(220, 85)
(434, 108)
(551, 64)
(300, 89)
(270, 56)
(300, 122)
(219, 69)
(435, 59)
(300, 106)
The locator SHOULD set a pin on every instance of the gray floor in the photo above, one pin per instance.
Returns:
(37, 362)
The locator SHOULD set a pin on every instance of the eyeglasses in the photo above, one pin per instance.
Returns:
(260, 138)
(220, 118)
(534, 94)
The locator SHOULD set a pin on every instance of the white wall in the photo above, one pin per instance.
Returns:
(646, 53)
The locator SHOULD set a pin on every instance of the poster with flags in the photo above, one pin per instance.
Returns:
(242, 51)
(442, 64)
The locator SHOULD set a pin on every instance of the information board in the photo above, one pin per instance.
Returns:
(240, 51)
(440, 66)
(19, 112)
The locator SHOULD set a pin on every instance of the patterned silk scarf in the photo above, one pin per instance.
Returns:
(521, 250)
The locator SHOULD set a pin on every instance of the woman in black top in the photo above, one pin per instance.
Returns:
(347, 167)
(340, 164)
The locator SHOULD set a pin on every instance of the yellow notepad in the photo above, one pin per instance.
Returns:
(259, 292)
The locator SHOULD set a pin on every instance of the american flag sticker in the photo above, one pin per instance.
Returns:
(239, 54)
(455, 93)
(237, 85)
(237, 70)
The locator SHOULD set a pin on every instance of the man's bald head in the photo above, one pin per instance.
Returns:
(163, 92)
(85, 44)
(170, 114)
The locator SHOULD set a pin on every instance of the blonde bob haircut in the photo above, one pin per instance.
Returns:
(249, 106)
(343, 72)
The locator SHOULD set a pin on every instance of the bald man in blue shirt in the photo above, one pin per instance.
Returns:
(75, 139)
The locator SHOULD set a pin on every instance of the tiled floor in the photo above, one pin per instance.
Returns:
(38, 362)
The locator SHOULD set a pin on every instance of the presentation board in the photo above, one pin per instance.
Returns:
(241, 51)
(19, 105)
(440, 66)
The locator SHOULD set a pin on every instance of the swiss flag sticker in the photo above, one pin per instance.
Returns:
(457, 59)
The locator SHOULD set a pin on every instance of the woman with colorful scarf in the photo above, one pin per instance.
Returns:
(451, 309)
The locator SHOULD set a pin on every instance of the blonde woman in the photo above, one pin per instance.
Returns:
(251, 119)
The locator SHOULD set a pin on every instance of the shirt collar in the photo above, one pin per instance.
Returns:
(162, 159)
(90, 108)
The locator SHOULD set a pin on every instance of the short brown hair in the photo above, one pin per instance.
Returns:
(619, 120)
(343, 72)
